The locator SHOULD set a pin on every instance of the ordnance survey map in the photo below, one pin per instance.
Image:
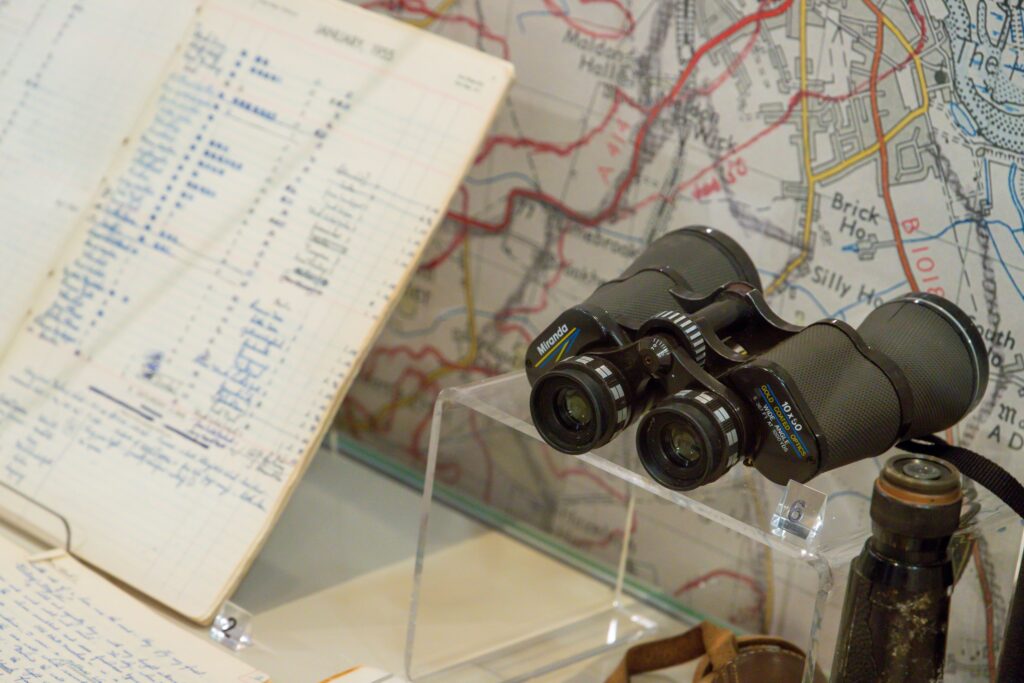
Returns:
(858, 149)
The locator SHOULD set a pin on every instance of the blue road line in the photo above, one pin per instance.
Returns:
(970, 221)
(955, 224)
(841, 312)
(538, 13)
(621, 235)
(963, 120)
(799, 288)
(1013, 193)
(999, 255)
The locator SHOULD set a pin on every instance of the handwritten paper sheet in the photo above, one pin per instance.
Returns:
(185, 357)
(61, 621)
(74, 78)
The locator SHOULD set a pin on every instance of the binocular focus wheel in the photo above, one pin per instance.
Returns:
(687, 332)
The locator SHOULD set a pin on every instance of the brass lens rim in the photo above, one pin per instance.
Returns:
(900, 479)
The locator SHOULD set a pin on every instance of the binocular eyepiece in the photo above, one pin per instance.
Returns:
(684, 343)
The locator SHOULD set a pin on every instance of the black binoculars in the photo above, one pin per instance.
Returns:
(684, 342)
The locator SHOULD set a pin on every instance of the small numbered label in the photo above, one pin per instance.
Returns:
(232, 627)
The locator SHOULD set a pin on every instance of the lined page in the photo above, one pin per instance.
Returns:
(183, 362)
(59, 621)
(74, 78)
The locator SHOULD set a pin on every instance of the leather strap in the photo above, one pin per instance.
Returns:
(761, 659)
(718, 643)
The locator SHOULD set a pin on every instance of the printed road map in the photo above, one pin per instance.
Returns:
(859, 149)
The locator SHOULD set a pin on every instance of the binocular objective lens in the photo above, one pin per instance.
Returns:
(573, 409)
(921, 469)
(681, 444)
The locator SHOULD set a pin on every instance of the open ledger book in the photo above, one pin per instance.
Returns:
(207, 209)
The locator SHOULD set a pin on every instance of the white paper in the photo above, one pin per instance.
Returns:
(187, 355)
(74, 78)
(61, 622)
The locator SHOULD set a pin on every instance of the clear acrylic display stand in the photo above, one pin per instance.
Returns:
(623, 557)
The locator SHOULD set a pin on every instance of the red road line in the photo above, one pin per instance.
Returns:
(691, 66)
(558, 12)
(418, 7)
(557, 149)
(730, 70)
(459, 238)
(563, 473)
(504, 326)
(545, 288)
(415, 354)
(744, 579)
(791, 106)
(613, 207)
(446, 253)
(468, 221)
(883, 148)
(565, 148)
(652, 115)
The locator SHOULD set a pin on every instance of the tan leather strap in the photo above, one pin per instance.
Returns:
(718, 643)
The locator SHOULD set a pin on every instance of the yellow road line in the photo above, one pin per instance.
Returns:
(814, 178)
(344, 673)
(804, 124)
(865, 153)
(426, 21)
(904, 122)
